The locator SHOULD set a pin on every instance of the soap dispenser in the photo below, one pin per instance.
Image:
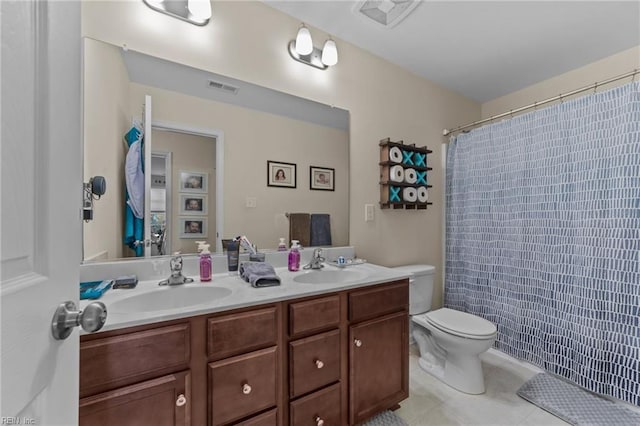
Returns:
(294, 256)
(205, 264)
(282, 246)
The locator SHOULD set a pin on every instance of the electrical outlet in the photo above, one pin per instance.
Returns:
(368, 212)
(251, 202)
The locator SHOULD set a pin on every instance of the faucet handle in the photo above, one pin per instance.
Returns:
(176, 263)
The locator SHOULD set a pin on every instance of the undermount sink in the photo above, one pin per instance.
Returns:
(166, 298)
(333, 276)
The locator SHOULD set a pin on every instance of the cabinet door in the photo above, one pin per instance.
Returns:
(378, 364)
(242, 385)
(159, 402)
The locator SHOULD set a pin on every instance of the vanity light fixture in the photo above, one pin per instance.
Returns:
(197, 12)
(302, 50)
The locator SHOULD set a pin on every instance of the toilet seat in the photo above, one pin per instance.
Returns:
(458, 323)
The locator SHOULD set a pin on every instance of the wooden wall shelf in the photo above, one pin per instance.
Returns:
(403, 175)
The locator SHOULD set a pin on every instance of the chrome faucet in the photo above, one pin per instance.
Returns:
(176, 277)
(316, 260)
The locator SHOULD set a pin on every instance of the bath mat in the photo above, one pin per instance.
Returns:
(575, 405)
(386, 418)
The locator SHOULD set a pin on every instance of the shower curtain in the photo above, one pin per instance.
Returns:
(543, 237)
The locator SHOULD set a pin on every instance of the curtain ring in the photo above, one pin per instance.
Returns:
(595, 87)
(561, 98)
(633, 77)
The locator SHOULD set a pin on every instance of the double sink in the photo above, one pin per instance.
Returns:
(193, 295)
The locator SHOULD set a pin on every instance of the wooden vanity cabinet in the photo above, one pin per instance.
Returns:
(138, 377)
(333, 359)
(316, 361)
(378, 349)
(244, 368)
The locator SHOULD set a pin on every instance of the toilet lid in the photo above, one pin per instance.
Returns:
(461, 323)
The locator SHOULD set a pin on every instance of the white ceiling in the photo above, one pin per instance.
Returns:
(157, 72)
(482, 49)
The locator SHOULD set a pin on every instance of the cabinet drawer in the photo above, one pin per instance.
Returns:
(270, 418)
(314, 315)
(322, 406)
(314, 362)
(373, 302)
(242, 385)
(129, 358)
(236, 333)
(162, 401)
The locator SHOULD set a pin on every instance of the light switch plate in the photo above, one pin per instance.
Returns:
(368, 212)
(251, 202)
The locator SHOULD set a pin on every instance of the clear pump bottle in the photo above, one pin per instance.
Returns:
(205, 264)
(294, 256)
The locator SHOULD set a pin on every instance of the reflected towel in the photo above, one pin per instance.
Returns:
(300, 228)
(320, 229)
(259, 274)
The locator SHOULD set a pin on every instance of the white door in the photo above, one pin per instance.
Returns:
(147, 175)
(41, 193)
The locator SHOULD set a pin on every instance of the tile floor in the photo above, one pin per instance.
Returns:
(432, 403)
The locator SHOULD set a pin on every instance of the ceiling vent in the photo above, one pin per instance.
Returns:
(387, 13)
(222, 86)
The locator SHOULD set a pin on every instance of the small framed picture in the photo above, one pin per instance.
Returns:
(193, 227)
(194, 182)
(193, 204)
(281, 174)
(321, 178)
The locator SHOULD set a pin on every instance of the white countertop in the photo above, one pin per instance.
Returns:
(242, 294)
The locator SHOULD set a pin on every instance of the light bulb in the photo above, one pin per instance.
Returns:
(330, 53)
(200, 9)
(304, 45)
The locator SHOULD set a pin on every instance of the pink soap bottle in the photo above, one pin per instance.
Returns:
(205, 264)
(294, 256)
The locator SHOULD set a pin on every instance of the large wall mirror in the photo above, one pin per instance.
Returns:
(208, 153)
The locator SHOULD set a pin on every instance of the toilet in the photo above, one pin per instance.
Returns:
(450, 341)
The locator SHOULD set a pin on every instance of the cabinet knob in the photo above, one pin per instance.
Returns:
(246, 389)
(181, 400)
(319, 364)
(357, 342)
(319, 421)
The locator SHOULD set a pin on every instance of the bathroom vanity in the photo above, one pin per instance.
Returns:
(299, 354)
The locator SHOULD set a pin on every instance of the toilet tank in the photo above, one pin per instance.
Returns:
(420, 287)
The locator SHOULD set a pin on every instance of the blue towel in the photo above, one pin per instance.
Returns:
(134, 226)
(320, 229)
(94, 289)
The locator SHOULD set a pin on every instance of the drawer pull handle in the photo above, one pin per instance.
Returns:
(246, 389)
(319, 421)
(357, 342)
(319, 364)
(181, 400)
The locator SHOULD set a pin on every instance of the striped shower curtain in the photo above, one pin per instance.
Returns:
(543, 237)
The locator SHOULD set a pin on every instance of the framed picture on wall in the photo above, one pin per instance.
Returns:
(321, 178)
(193, 204)
(281, 174)
(194, 182)
(192, 227)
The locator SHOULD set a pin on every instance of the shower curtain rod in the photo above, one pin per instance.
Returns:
(447, 132)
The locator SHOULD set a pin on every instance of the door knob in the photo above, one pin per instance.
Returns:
(246, 389)
(319, 421)
(181, 400)
(357, 342)
(319, 364)
(66, 317)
